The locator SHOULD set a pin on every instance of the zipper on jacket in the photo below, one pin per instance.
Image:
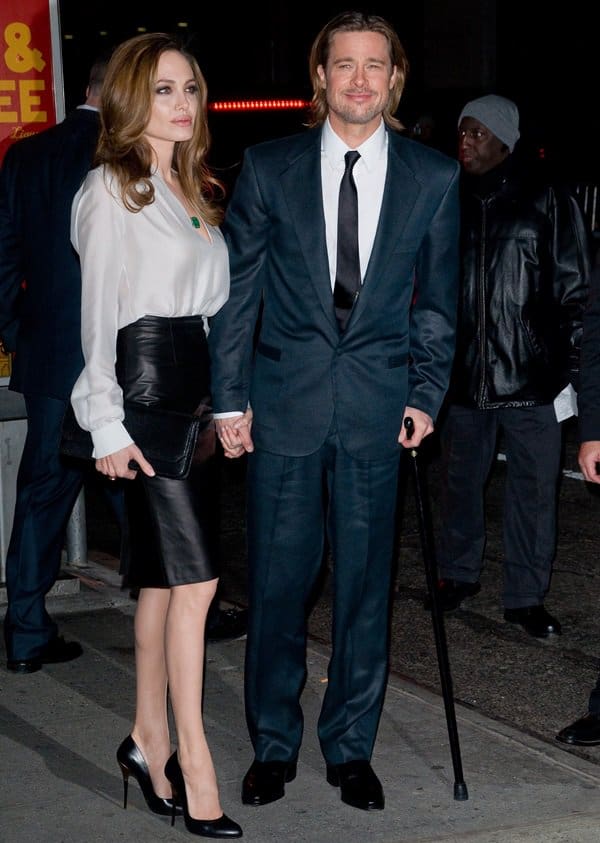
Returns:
(481, 297)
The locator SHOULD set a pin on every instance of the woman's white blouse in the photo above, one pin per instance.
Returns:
(149, 263)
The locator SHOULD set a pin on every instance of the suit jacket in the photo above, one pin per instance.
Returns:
(41, 323)
(399, 343)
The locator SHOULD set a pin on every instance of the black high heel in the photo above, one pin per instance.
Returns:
(223, 827)
(132, 763)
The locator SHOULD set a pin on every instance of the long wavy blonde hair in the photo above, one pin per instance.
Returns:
(126, 105)
(319, 54)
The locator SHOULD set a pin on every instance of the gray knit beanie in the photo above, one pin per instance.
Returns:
(498, 114)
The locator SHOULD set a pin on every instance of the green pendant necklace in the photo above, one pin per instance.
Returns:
(195, 222)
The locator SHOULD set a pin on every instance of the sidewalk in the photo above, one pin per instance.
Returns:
(60, 727)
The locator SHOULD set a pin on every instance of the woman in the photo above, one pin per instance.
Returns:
(154, 267)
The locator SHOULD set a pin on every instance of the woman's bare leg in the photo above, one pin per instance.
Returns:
(186, 621)
(151, 727)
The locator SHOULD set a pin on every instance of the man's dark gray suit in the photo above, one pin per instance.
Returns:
(328, 409)
(40, 321)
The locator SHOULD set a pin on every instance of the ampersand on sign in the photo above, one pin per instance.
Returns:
(18, 56)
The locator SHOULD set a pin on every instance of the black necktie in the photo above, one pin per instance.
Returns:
(347, 273)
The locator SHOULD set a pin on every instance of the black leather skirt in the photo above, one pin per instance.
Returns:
(170, 533)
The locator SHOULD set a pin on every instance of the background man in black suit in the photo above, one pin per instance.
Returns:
(40, 304)
(331, 381)
(585, 731)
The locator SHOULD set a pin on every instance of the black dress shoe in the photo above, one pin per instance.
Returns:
(57, 650)
(265, 781)
(583, 732)
(451, 593)
(359, 785)
(535, 620)
(228, 625)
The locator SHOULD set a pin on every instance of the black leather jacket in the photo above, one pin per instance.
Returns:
(525, 273)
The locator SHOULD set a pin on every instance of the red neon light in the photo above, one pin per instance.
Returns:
(258, 105)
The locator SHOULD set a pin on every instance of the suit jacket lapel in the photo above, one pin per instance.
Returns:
(400, 194)
(303, 192)
(306, 209)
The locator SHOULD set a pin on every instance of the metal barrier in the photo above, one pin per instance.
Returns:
(76, 539)
(13, 430)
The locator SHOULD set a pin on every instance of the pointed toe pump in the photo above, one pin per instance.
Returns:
(223, 828)
(132, 763)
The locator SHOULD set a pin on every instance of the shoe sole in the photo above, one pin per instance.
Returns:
(542, 636)
(577, 743)
(362, 807)
(256, 800)
(23, 668)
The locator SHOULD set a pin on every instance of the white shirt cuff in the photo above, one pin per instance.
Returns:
(110, 438)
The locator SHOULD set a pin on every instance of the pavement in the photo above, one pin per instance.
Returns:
(60, 727)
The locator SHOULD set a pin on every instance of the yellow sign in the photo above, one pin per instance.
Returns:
(5, 361)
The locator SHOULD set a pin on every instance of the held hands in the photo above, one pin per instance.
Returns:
(234, 434)
(423, 426)
(117, 464)
(588, 458)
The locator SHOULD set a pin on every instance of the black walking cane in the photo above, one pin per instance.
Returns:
(460, 788)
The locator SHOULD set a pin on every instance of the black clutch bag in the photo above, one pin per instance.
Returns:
(169, 440)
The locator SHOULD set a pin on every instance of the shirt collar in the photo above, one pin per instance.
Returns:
(371, 151)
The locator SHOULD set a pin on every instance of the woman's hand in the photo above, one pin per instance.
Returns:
(235, 434)
(117, 464)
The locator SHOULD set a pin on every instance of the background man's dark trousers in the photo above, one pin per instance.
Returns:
(46, 492)
(532, 443)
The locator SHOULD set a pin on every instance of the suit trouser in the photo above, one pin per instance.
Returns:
(292, 503)
(532, 442)
(46, 492)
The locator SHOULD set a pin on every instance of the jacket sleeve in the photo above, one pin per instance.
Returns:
(572, 267)
(11, 263)
(232, 329)
(434, 310)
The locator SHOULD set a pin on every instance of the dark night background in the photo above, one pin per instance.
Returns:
(544, 58)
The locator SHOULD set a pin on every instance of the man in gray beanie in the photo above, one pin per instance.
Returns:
(525, 263)
(501, 116)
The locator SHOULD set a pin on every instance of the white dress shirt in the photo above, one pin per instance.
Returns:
(369, 176)
(149, 263)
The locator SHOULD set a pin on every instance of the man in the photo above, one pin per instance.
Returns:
(40, 303)
(338, 364)
(423, 129)
(525, 269)
(585, 731)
